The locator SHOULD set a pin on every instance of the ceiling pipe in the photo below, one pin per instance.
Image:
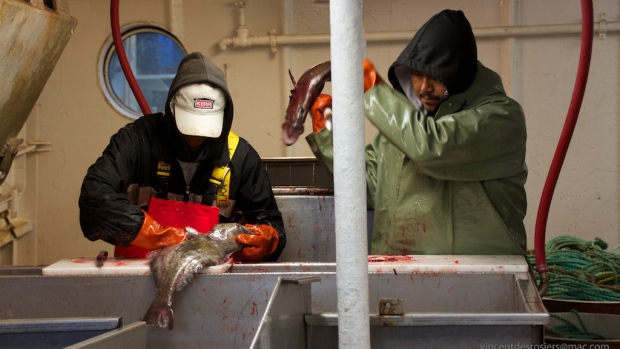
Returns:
(244, 39)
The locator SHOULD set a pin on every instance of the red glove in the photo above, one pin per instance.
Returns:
(260, 246)
(153, 235)
(322, 108)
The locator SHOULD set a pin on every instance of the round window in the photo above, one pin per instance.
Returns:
(154, 55)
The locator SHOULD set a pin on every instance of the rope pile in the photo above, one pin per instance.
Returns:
(581, 270)
(568, 329)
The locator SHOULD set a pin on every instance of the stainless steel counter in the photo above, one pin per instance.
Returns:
(435, 303)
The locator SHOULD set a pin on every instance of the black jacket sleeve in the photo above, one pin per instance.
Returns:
(255, 199)
(105, 211)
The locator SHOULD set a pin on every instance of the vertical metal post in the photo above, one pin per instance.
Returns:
(347, 54)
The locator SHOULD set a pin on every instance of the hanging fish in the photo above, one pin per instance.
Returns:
(303, 95)
(174, 266)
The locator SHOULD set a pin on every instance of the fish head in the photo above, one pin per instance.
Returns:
(293, 125)
(228, 231)
(303, 95)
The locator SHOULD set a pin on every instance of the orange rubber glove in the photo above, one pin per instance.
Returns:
(153, 235)
(321, 113)
(259, 246)
(321, 109)
(371, 77)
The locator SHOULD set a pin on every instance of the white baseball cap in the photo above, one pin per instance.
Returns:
(199, 110)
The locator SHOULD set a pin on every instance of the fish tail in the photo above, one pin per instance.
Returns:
(159, 314)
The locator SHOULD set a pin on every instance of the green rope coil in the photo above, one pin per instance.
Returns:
(581, 270)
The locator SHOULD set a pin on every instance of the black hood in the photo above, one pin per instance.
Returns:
(196, 68)
(444, 48)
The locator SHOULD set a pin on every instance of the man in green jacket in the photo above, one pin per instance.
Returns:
(446, 171)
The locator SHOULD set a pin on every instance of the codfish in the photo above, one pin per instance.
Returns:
(303, 95)
(174, 266)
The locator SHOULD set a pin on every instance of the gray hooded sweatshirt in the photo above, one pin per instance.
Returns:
(118, 185)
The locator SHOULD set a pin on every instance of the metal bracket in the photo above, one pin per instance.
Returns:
(602, 26)
(37, 146)
(391, 306)
(273, 42)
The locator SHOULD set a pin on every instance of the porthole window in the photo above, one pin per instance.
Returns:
(154, 55)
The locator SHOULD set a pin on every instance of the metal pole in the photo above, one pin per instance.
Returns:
(347, 54)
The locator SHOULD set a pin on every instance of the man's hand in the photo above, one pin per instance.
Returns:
(371, 77)
(322, 113)
(322, 108)
(258, 246)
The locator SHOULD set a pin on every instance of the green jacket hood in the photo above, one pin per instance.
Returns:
(443, 48)
(196, 68)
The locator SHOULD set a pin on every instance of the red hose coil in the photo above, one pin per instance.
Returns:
(122, 58)
(587, 23)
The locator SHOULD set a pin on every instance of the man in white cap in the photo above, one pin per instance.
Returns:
(186, 156)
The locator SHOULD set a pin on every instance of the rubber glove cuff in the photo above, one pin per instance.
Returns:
(153, 235)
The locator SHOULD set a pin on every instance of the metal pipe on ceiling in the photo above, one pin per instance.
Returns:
(244, 39)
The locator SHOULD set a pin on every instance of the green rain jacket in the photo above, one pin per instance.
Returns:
(452, 183)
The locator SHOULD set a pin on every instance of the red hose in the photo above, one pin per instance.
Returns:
(122, 58)
(587, 23)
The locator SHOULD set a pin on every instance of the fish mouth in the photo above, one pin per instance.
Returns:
(289, 137)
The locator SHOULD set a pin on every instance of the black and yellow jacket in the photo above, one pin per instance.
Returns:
(144, 159)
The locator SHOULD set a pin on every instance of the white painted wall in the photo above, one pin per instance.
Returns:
(73, 115)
